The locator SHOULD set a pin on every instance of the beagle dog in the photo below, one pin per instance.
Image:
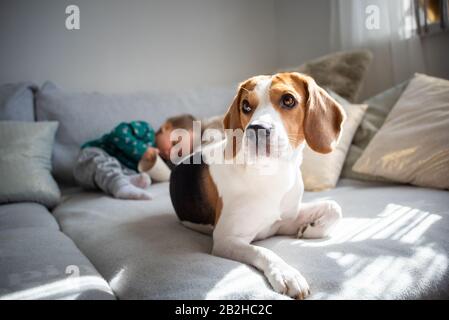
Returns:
(240, 202)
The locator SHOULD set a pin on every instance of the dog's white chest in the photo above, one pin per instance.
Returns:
(255, 199)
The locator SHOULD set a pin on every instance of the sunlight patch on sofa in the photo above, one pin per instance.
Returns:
(59, 289)
(239, 277)
(389, 276)
(396, 222)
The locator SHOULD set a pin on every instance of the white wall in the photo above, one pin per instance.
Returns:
(303, 30)
(133, 45)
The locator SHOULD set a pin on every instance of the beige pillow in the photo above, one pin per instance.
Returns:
(321, 171)
(413, 144)
(379, 107)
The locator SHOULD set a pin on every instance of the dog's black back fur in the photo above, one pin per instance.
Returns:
(187, 192)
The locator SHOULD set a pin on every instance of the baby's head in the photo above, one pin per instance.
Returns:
(163, 142)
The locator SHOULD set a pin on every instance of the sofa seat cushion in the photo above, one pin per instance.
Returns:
(39, 263)
(391, 244)
(26, 215)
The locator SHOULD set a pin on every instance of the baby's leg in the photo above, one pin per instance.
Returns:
(96, 169)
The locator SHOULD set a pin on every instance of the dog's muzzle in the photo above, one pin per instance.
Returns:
(259, 135)
(259, 131)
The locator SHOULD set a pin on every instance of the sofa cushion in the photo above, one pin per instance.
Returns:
(413, 144)
(342, 72)
(38, 263)
(25, 164)
(321, 171)
(379, 107)
(86, 116)
(17, 101)
(391, 244)
(26, 215)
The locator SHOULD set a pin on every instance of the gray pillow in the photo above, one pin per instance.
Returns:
(341, 72)
(25, 162)
(379, 107)
(86, 116)
(17, 101)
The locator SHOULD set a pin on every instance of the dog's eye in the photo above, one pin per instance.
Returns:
(288, 101)
(246, 108)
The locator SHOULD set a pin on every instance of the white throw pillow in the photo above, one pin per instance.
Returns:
(413, 144)
(321, 171)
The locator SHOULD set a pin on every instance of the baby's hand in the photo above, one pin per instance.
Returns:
(148, 159)
(151, 154)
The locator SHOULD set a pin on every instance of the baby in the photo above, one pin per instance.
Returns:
(111, 162)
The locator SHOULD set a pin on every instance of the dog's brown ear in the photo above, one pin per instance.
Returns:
(323, 118)
(232, 116)
(232, 121)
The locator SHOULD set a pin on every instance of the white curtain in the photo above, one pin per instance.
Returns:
(388, 29)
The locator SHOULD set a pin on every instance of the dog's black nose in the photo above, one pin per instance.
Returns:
(259, 133)
(259, 130)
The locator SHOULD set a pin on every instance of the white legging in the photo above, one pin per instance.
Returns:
(95, 169)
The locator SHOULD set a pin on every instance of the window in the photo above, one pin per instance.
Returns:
(432, 16)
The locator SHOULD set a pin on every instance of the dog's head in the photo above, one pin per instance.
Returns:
(277, 113)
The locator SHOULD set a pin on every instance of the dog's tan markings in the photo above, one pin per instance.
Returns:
(293, 119)
(253, 100)
(324, 117)
(317, 118)
(234, 118)
(218, 210)
(211, 196)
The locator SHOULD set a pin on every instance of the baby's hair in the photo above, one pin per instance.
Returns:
(183, 121)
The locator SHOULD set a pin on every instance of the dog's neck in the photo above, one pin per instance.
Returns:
(272, 166)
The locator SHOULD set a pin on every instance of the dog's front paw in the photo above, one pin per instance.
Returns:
(289, 281)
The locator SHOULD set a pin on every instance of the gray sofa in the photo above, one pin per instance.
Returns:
(392, 243)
